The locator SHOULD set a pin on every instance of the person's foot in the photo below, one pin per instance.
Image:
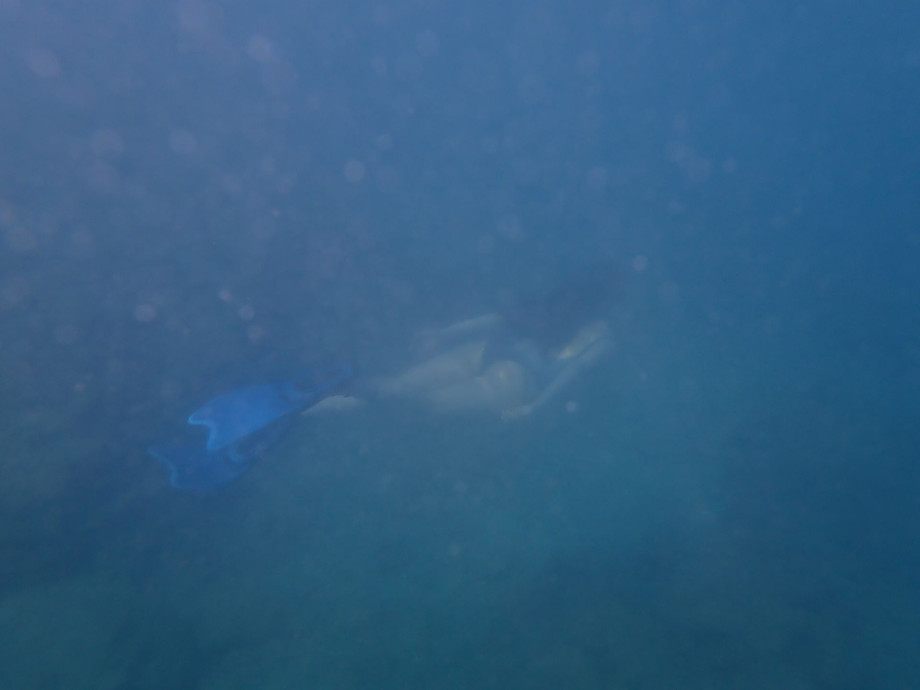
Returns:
(382, 387)
(335, 403)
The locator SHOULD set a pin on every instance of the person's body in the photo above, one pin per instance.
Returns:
(511, 363)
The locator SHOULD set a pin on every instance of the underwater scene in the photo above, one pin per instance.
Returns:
(418, 344)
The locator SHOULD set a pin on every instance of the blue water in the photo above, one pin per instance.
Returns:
(199, 195)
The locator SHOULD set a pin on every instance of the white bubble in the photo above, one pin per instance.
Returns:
(597, 178)
(699, 170)
(170, 389)
(231, 184)
(485, 244)
(408, 67)
(380, 66)
(640, 262)
(21, 240)
(426, 43)
(10, 6)
(194, 16)
(82, 244)
(263, 229)
(262, 49)
(354, 171)
(669, 292)
(588, 63)
(510, 228)
(7, 213)
(66, 334)
(183, 142)
(388, 179)
(145, 313)
(43, 63)
(381, 14)
(107, 143)
(102, 177)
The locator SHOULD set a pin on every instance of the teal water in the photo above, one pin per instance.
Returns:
(199, 195)
(688, 524)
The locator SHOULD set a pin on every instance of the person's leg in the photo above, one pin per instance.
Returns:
(503, 385)
(455, 366)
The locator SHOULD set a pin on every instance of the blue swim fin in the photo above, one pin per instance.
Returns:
(197, 469)
(244, 411)
(241, 425)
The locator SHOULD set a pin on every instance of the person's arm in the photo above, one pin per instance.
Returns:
(334, 403)
(433, 339)
(571, 371)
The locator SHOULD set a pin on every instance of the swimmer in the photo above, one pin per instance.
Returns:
(511, 363)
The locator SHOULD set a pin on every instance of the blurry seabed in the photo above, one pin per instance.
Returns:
(396, 549)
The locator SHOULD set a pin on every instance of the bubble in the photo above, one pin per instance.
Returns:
(263, 229)
(510, 228)
(107, 143)
(485, 244)
(268, 165)
(380, 66)
(102, 177)
(246, 313)
(388, 179)
(170, 389)
(10, 6)
(66, 334)
(21, 240)
(82, 244)
(381, 15)
(231, 184)
(669, 292)
(7, 213)
(43, 63)
(261, 49)
(145, 313)
(426, 43)
(14, 292)
(408, 67)
(698, 170)
(194, 16)
(183, 142)
(354, 171)
(588, 63)
(640, 262)
(597, 178)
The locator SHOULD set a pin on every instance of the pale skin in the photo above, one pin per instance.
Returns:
(572, 370)
(454, 380)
